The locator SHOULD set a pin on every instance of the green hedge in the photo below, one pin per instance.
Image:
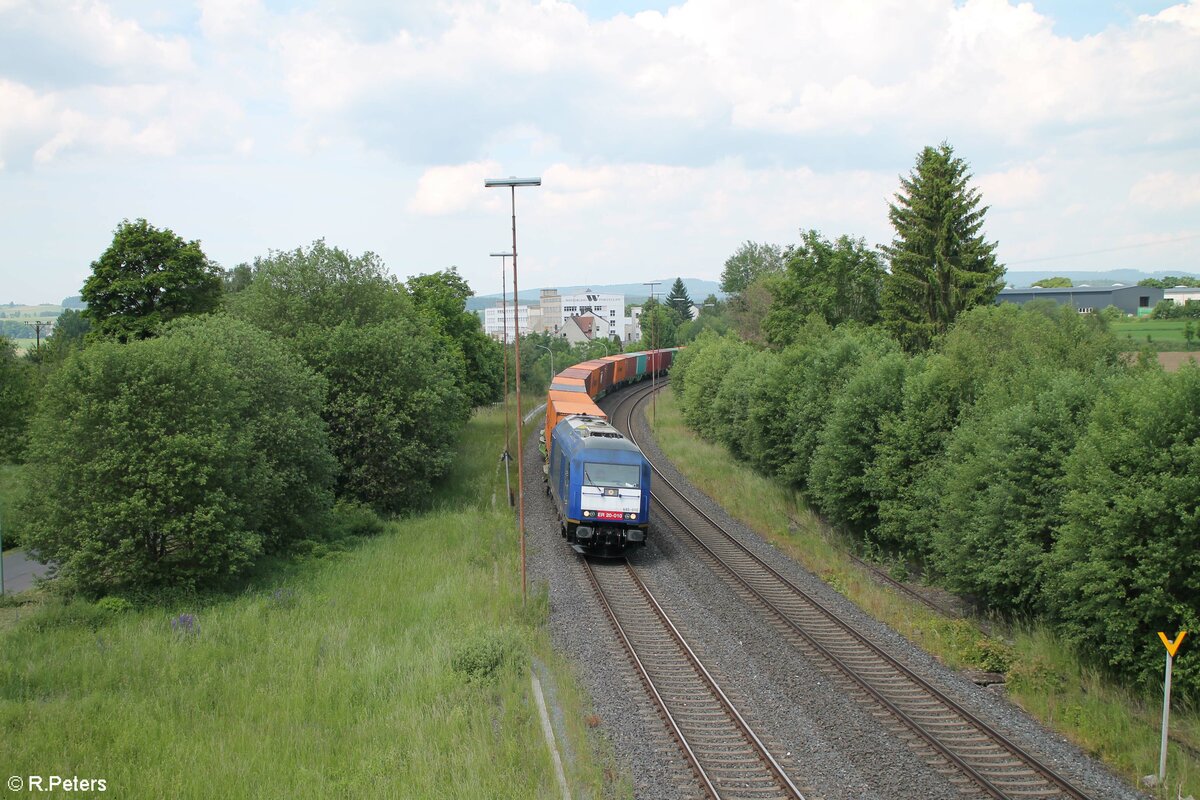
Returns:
(1019, 461)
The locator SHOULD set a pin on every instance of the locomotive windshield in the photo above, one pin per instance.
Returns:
(619, 476)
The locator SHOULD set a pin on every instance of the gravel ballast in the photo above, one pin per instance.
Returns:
(831, 745)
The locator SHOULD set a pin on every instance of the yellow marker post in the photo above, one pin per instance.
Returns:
(1172, 648)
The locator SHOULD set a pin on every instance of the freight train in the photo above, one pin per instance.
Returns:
(598, 479)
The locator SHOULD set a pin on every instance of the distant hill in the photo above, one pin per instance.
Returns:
(1129, 277)
(635, 293)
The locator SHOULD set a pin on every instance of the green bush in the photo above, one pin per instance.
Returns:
(352, 518)
(484, 656)
(174, 462)
(114, 606)
(1002, 501)
(848, 443)
(397, 397)
(1126, 563)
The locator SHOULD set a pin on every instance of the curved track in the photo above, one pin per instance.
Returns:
(727, 757)
(972, 754)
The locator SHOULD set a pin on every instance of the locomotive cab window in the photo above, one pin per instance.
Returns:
(619, 476)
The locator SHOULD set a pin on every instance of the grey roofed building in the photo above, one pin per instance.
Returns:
(1134, 300)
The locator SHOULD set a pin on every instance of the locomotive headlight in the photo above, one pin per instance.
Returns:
(631, 516)
(587, 513)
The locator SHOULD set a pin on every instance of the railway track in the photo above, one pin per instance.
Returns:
(978, 759)
(725, 754)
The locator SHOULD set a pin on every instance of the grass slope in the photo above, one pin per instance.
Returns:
(1044, 677)
(397, 669)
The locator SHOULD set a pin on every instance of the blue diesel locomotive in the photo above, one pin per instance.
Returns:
(600, 483)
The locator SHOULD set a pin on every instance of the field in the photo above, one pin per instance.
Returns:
(399, 667)
(1043, 677)
(13, 318)
(1161, 334)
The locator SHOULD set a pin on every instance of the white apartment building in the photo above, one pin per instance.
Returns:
(552, 316)
(609, 307)
(633, 324)
(494, 322)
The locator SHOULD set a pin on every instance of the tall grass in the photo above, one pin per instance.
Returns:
(1044, 677)
(398, 669)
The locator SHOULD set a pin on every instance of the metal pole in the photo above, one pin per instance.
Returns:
(506, 457)
(504, 344)
(1162, 757)
(520, 435)
(653, 360)
(512, 183)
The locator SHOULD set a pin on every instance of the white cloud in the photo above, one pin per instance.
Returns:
(232, 19)
(88, 33)
(452, 189)
(1016, 187)
(1167, 190)
(664, 139)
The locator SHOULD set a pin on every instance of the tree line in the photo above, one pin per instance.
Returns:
(1007, 452)
(191, 420)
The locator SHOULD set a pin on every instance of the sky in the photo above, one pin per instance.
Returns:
(665, 134)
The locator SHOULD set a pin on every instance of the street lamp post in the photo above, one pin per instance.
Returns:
(512, 184)
(504, 343)
(653, 360)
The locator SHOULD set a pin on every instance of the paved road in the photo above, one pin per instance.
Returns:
(20, 570)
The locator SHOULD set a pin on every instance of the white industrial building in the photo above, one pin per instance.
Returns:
(1181, 294)
(609, 307)
(494, 321)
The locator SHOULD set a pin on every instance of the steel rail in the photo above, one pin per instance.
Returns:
(931, 739)
(710, 684)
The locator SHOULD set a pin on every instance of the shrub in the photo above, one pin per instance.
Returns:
(175, 461)
(1002, 499)
(849, 441)
(1126, 562)
(486, 655)
(397, 393)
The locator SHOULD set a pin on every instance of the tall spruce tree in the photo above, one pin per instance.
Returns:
(679, 300)
(941, 265)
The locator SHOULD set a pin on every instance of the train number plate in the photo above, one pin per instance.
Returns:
(609, 515)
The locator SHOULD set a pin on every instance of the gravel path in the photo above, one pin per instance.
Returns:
(831, 745)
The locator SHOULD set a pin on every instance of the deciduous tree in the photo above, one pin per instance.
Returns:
(441, 297)
(751, 261)
(146, 278)
(840, 280)
(397, 384)
(16, 401)
(1053, 283)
